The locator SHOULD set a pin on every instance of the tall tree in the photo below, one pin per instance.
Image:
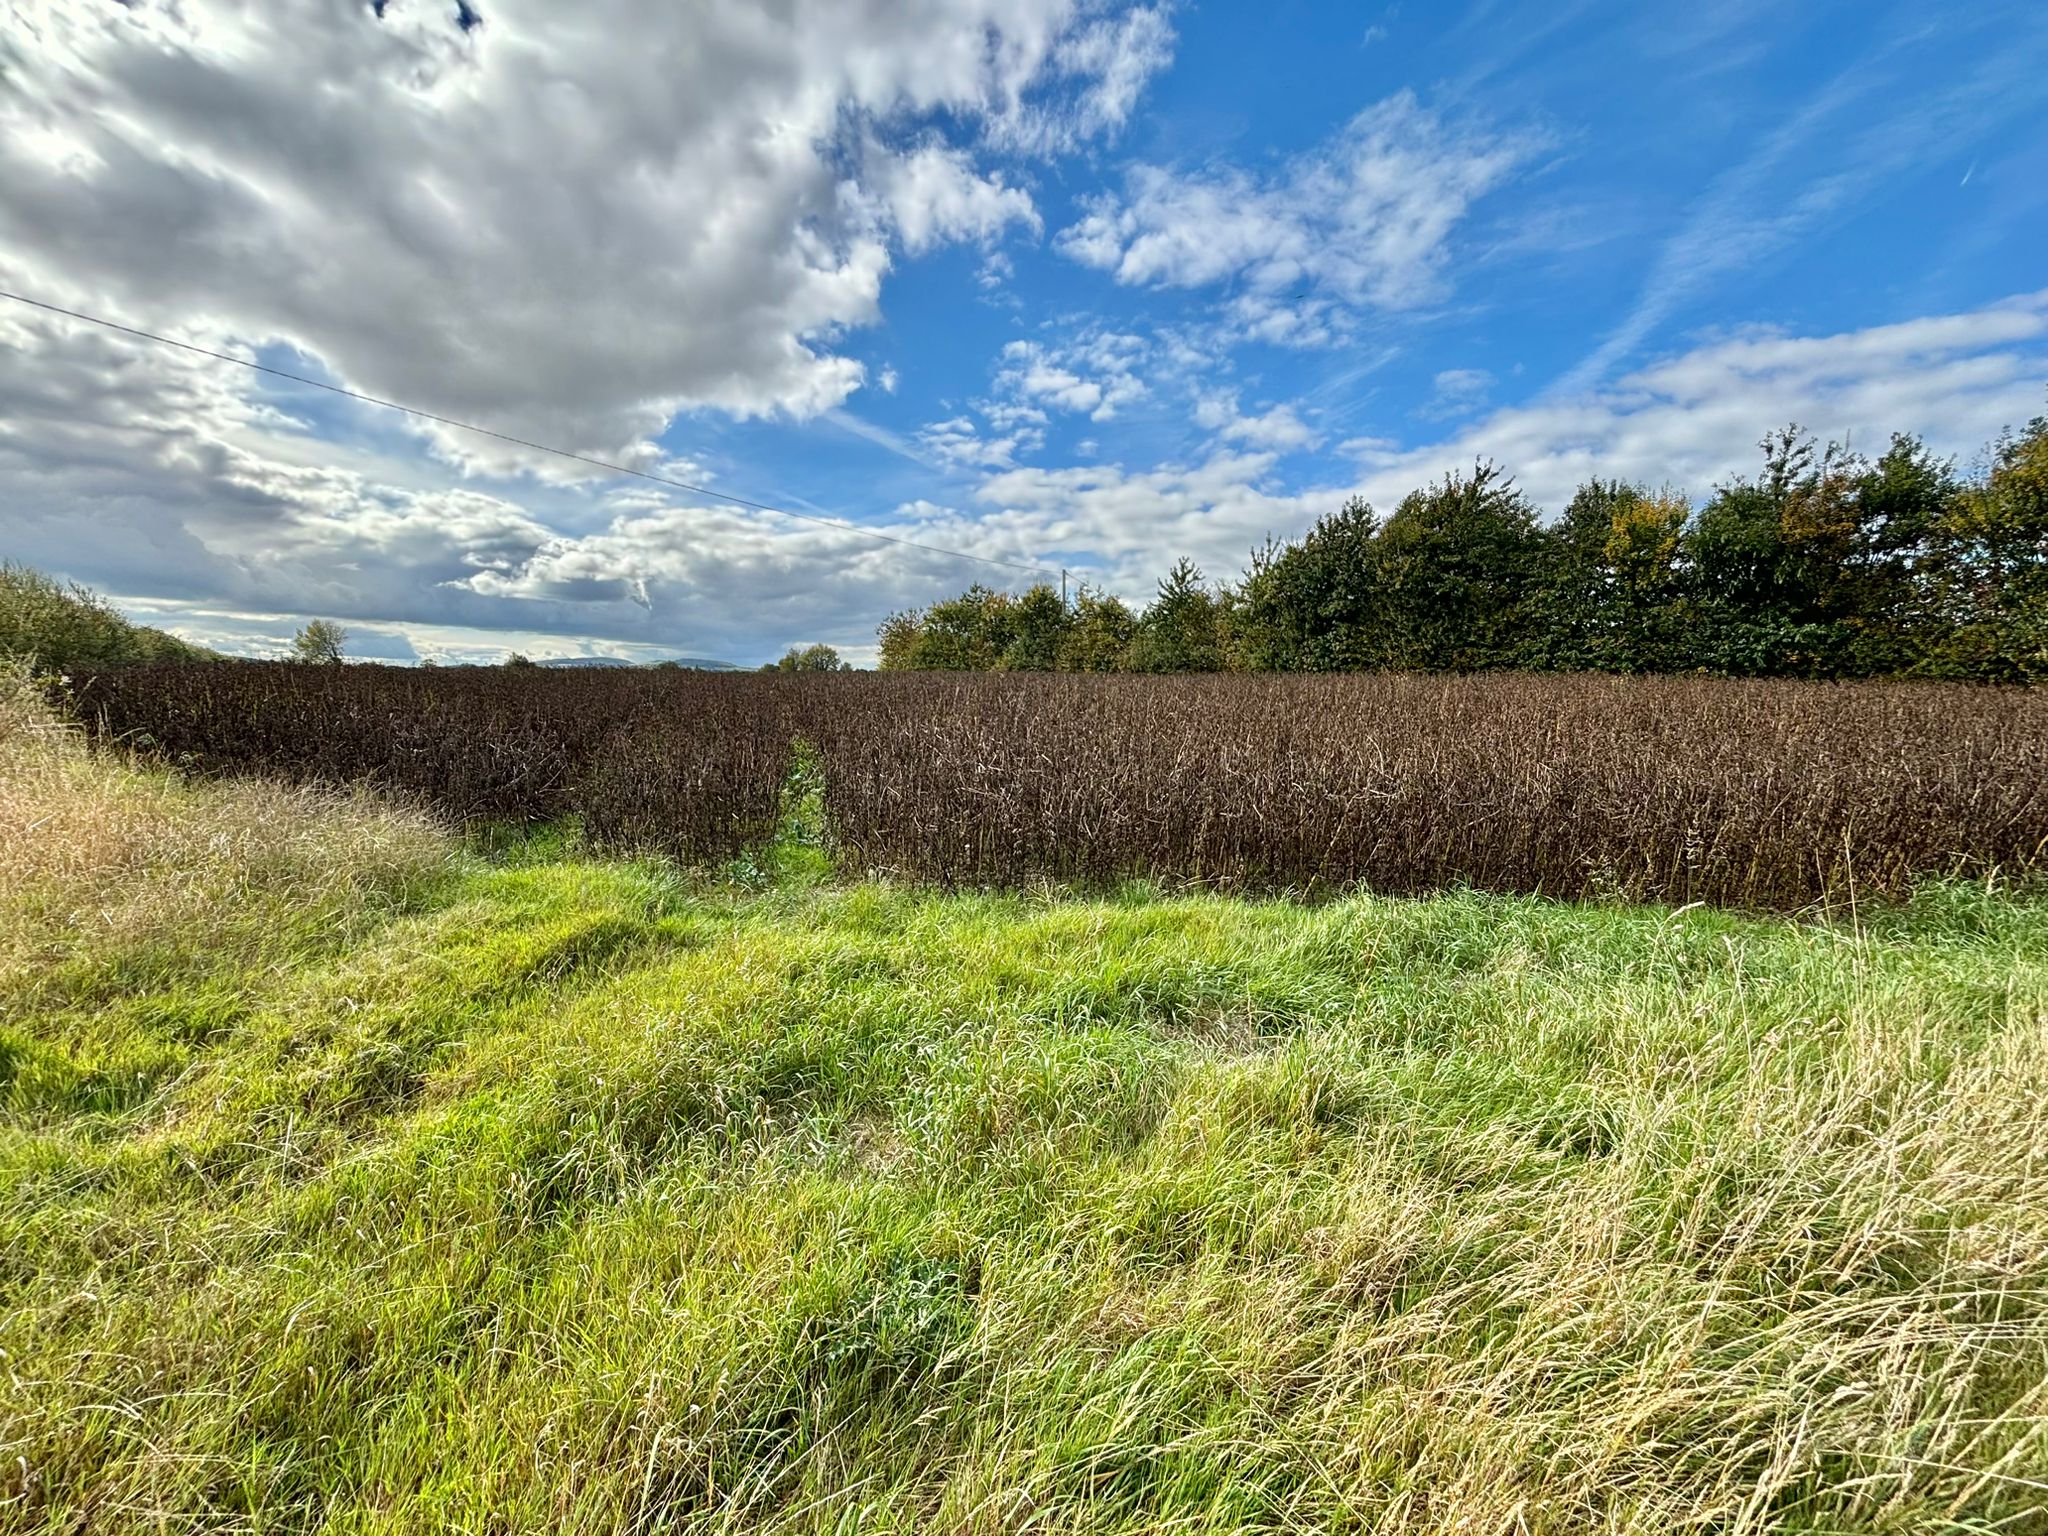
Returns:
(1311, 606)
(1039, 623)
(968, 633)
(1457, 566)
(1816, 568)
(1182, 627)
(1612, 582)
(1099, 639)
(1903, 500)
(319, 641)
(1993, 567)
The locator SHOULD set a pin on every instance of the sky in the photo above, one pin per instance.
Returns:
(1077, 285)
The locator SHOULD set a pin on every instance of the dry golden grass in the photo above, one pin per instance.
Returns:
(100, 857)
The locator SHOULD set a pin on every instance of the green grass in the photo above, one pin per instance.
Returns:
(554, 1194)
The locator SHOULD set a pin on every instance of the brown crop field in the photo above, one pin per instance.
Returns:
(1754, 794)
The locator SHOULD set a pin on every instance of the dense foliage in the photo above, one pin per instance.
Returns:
(1824, 565)
(808, 658)
(56, 627)
(1769, 794)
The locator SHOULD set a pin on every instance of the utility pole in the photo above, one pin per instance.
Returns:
(1063, 586)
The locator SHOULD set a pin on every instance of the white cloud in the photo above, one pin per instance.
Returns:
(995, 270)
(1094, 375)
(1456, 392)
(1110, 58)
(934, 196)
(571, 223)
(958, 442)
(1366, 220)
(1136, 522)
(1694, 418)
(1277, 428)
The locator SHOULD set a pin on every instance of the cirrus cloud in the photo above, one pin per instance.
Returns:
(1363, 221)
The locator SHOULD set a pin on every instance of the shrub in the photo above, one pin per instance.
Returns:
(57, 627)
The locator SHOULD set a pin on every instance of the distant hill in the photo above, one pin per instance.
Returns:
(694, 663)
(59, 627)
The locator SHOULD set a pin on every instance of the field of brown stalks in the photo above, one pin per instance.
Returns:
(1753, 794)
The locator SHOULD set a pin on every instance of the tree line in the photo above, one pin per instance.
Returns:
(1824, 564)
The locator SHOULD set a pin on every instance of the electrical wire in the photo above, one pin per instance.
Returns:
(505, 437)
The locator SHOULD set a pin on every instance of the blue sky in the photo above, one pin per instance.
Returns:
(1048, 281)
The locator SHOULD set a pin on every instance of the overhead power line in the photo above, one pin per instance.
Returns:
(505, 437)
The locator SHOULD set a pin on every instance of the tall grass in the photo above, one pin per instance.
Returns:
(572, 1196)
(100, 859)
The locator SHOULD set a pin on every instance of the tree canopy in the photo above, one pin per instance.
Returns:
(320, 641)
(1822, 563)
(808, 658)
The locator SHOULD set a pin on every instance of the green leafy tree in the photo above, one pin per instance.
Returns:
(1313, 605)
(1611, 586)
(1099, 638)
(1182, 629)
(1456, 571)
(1903, 501)
(968, 633)
(809, 658)
(1818, 567)
(320, 641)
(1992, 567)
(1040, 621)
(518, 660)
(896, 641)
(1823, 564)
(60, 627)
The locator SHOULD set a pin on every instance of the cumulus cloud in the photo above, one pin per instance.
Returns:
(1276, 428)
(1094, 375)
(160, 478)
(572, 224)
(1364, 221)
(934, 195)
